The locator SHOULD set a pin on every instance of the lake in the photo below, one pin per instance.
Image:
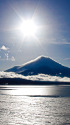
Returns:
(35, 105)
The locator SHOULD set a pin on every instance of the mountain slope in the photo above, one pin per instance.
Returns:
(40, 65)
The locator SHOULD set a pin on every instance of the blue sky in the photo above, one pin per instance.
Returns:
(52, 38)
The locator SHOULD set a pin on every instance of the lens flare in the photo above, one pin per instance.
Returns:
(28, 28)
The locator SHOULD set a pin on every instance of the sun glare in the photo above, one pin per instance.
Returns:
(28, 28)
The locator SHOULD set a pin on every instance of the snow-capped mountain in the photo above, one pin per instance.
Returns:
(41, 64)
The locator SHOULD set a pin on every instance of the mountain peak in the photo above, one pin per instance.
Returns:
(40, 59)
(43, 57)
(42, 65)
(44, 60)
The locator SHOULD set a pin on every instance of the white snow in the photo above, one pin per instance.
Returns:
(41, 61)
(36, 64)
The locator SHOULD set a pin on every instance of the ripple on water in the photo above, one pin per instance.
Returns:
(34, 110)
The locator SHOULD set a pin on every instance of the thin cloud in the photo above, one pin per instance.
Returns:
(67, 59)
(12, 58)
(4, 48)
(61, 42)
(56, 41)
(7, 56)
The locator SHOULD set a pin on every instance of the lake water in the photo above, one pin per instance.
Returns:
(35, 105)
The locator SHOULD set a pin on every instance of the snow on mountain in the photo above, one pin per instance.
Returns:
(42, 65)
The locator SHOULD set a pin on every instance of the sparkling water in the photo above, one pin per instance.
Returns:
(34, 105)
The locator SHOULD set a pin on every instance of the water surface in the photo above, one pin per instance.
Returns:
(34, 105)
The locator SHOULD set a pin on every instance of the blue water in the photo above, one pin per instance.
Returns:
(34, 105)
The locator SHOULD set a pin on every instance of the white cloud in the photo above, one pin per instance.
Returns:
(10, 75)
(12, 58)
(7, 57)
(39, 77)
(4, 48)
(44, 77)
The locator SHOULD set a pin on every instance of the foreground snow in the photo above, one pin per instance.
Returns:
(39, 77)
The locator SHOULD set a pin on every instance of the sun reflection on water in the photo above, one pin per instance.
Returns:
(30, 90)
(54, 91)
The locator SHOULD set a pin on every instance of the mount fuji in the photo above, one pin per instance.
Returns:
(41, 65)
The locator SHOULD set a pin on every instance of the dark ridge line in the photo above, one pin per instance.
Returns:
(19, 81)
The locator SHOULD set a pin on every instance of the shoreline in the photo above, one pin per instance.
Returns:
(19, 81)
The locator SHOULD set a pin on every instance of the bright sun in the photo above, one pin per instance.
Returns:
(28, 28)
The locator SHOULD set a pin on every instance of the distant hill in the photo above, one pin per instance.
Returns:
(41, 64)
